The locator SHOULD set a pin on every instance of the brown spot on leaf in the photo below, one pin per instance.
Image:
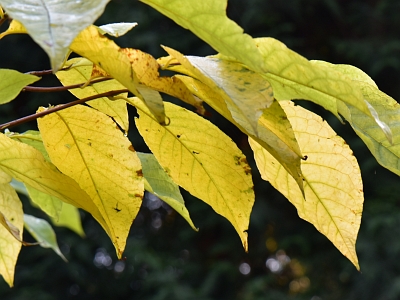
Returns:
(138, 196)
(139, 173)
(131, 148)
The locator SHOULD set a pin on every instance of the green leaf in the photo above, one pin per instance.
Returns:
(87, 146)
(80, 71)
(43, 233)
(69, 217)
(54, 24)
(157, 182)
(26, 164)
(208, 20)
(10, 246)
(333, 188)
(116, 29)
(12, 82)
(203, 160)
(49, 204)
(32, 138)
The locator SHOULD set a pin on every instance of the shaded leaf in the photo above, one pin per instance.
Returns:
(42, 232)
(114, 60)
(54, 24)
(208, 20)
(49, 204)
(203, 160)
(88, 146)
(333, 192)
(80, 72)
(26, 164)
(12, 82)
(10, 210)
(69, 217)
(157, 182)
(116, 29)
(32, 138)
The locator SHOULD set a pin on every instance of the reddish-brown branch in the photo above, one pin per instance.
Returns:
(40, 89)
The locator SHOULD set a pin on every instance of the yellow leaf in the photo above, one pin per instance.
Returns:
(88, 146)
(26, 164)
(14, 28)
(113, 59)
(80, 72)
(10, 209)
(332, 181)
(203, 160)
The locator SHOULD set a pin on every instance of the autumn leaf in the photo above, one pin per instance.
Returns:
(27, 165)
(208, 20)
(79, 70)
(116, 29)
(203, 160)
(54, 24)
(69, 217)
(49, 204)
(15, 27)
(157, 182)
(10, 210)
(88, 146)
(12, 82)
(333, 189)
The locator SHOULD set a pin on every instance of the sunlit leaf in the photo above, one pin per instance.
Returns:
(81, 72)
(116, 29)
(54, 24)
(32, 138)
(88, 146)
(12, 82)
(114, 60)
(157, 182)
(14, 28)
(333, 192)
(208, 20)
(286, 151)
(69, 217)
(203, 160)
(10, 209)
(26, 164)
(41, 230)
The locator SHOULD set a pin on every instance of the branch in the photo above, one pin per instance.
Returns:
(40, 89)
(60, 107)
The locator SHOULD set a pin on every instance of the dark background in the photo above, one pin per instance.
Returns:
(288, 258)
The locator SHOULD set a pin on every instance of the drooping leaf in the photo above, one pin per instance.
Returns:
(11, 210)
(157, 182)
(12, 82)
(69, 217)
(116, 29)
(383, 144)
(203, 160)
(332, 181)
(26, 164)
(41, 230)
(88, 146)
(285, 151)
(54, 24)
(114, 60)
(81, 72)
(208, 20)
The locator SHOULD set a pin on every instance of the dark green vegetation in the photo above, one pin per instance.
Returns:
(173, 262)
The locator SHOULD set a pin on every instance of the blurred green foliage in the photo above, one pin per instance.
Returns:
(288, 258)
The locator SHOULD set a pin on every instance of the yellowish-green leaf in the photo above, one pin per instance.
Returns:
(49, 204)
(286, 151)
(43, 233)
(115, 61)
(14, 28)
(32, 138)
(203, 160)
(208, 20)
(10, 210)
(332, 181)
(385, 149)
(81, 72)
(4, 177)
(157, 182)
(88, 146)
(54, 24)
(12, 82)
(69, 217)
(26, 164)
(116, 29)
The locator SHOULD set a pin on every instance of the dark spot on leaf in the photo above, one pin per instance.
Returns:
(194, 152)
(116, 208)
(139, 173)
(138, 196)
(305, 157)
(131, 148)
(240, 89)
(178, 136)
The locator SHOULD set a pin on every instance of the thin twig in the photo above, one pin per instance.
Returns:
(60, 107)
(40, 89)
